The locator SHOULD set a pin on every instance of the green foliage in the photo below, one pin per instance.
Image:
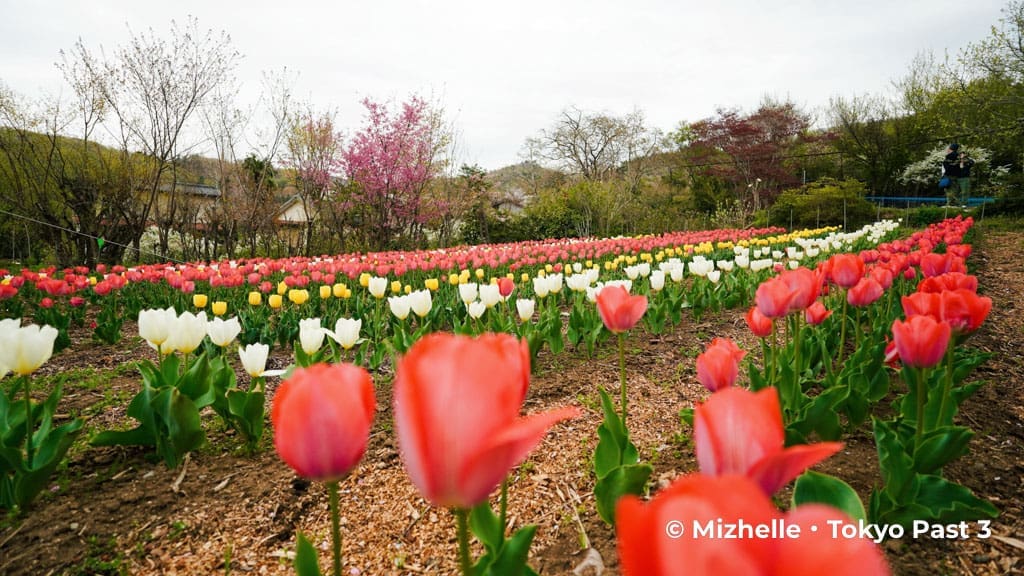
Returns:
(827, 202)
(616, 463)
(815, 487)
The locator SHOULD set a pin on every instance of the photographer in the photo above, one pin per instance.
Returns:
(962, 183)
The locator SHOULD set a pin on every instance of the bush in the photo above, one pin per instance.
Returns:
(826, 202)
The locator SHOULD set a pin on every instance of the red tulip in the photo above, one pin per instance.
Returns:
(805, 283)
(740, 432)
(506, 286)
(619, 310)
(758, 323)
(321, 417)
(847, 269)
(964, 310)
(921, 341)
(933, 264)
(658, 539)
(457, 403)
(865, 292)
(949, 281)
(46, 303)
(718, 365)
(883, 275)
(816, 313)
(773, 297)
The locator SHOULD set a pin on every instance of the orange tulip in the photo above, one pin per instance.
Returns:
(619, 310)
(718, 365)
(865, 292)
(758, 323)
(846, 269)
(457, 403)
(740, 432)
(773, 297)
(921, 341)
(321, 417)
(657, 538)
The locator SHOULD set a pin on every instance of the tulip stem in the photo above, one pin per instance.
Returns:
(29, 425)
(842, 334)
(503, 504)
(622, 375)
(922, 396)
(462, 525)
(332, 490)
(947, 386)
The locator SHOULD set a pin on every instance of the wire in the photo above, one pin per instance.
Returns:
(97, 238)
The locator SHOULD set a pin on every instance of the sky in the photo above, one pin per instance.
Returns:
(504, 71)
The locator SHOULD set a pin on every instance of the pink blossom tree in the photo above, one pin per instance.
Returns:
(391, 161)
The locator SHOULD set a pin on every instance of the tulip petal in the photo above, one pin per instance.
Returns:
(776, 470)
(735, 429)
(482, 473)
(817, 552)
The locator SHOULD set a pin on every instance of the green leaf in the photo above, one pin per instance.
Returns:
(178, 418)
(623, 480)
(486, 526)
(511, 560)
(940, 447)
(895, 464)
(815, 487)
(306, 561)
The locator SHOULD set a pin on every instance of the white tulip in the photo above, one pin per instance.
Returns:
(725, 265)
(468, 292)
(577, 267)
(657, 280)
(23, 349)
(399, 306)
(592, 274)
(254, 360)
(632, 272)
(490, 295)
(577, 282)
(555, 283)
(311, 335)
(187, 333)
(540, 286)
(378, 286)
(525, 307)
(223, 332)
(421, 302)
(677, 274)
(155, 327)
(476, 309)
(346, 332)
(644, 268)
(714, 276)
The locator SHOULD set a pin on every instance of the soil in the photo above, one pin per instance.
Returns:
(116, 511)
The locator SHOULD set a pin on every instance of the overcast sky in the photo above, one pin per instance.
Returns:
(503, 71)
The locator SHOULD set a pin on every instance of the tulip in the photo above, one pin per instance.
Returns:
(23, 349)
(657, 280)
(649, 544)
(219, 308)
(377, 286)
(431, 284)
(297, 296)
(274, 301)
(740, 432)
(759, 324)
(338, 290)
(714, 276)
(921, 341)
(255, 298)
(476, 309)
(806, 285)
(540, 287)
(321, 417)
(865, 292)
(490, 294)
(618, 309)
(396, 286)
(468, 292)
(325, 292)
(816, 313)
(223, 332)
(311, 335)
(963, 309)
(199, 300)
(846, 269)
(718, 365)
(399, 306)
(346, 332)
(420, 301)
(949, 281)
(505, 287)
(187, 333)
(254, 360)
(773, 297)
(525, 308)
(155, 327)
(456, 407)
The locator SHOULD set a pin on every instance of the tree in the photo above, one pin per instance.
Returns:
(391, 160)
(315, 153)
(153, 88)
(748, 150)
(598, 146)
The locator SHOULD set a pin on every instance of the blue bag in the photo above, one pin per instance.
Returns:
(944, 182)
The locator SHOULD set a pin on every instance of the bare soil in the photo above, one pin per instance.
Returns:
(116, 511)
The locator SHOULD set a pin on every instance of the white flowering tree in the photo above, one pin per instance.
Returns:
(926, 172)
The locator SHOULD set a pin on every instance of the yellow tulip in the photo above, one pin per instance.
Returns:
(548, 268)
(524, 277)
(338, 290)
(274, 301)
(92, 280)
(431, 284)
(396, 286)
(298, 296)
(282, 287)
(494, 280)
(407, 289)
(325, 292)
(219, 308)
(255, 298)
(199, 300)
(453, 279)
(364, 279)
(479, 273)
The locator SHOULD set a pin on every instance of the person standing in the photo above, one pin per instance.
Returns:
(963, 179)
(951, 171)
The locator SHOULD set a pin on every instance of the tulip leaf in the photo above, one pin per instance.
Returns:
(181, 430)
(895, 464)
(511, 559)
(630, 479)
(815, 487)
(306, 561)
(940, 447)
(486, 525)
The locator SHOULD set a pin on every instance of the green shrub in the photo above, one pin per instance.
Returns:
(826, 202)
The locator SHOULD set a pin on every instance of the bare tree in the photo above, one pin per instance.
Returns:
(153, 88)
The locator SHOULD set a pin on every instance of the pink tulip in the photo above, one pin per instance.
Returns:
(921, 341)
(457, 403)
(718, 365)
(740, 432)
(619, 310)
